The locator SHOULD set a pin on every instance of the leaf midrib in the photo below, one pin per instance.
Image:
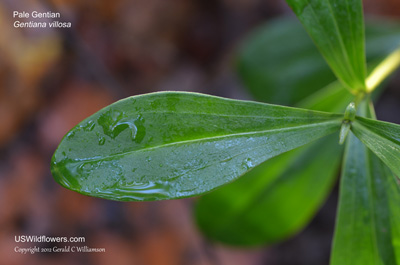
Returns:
(306, 111)
(335, 121)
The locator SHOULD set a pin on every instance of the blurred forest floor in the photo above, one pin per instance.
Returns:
(51, 79)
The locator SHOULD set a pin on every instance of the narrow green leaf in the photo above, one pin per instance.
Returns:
(383, 138)
(273, 201)
(367, 227)
(337, 28)
(172, 145)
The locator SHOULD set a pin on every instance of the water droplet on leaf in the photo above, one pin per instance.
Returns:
(89, 126)
(115, 122)
(247, 163)
(102, 140)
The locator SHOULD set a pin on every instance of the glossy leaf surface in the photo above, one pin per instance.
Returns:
(264, 213)
(337, 28)
(270, 51)
(383, 138)
(276, 200)
(172, 145)
(367, 227)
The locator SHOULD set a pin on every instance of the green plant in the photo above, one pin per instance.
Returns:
(173, 145)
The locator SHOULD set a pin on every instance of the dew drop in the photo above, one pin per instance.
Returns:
(89, 126)
(115, 122)
(156, 189)
(109, 121)
(247, 163)
(70, 135)
(102, 140)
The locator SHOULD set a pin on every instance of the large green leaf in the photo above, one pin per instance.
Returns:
(367, 227)
(337, 28)
(172, 145)
(382, 138)
(273, 201)
(270, 51)
(264, 213)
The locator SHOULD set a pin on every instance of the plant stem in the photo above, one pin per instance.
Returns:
(383, 70)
